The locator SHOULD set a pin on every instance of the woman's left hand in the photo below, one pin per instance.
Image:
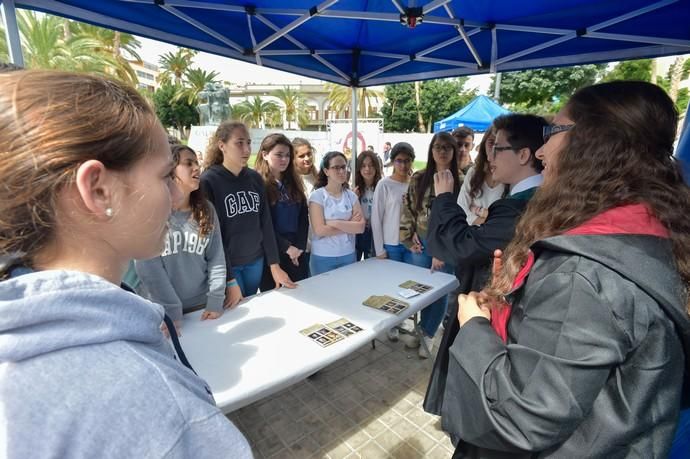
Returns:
(469, 308)
(281, 278)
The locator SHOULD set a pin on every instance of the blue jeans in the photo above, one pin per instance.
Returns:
(398, 253)
(319, 265)
(249, 276)
(432, 315)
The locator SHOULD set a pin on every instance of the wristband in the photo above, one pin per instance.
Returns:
(231, 283)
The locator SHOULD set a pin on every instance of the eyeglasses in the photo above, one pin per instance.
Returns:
(403, 161)
(494, 149)
(552, 129)
(439, 148)
(338, 168)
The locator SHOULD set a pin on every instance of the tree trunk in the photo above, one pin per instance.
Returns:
(655, 71)
(676, 74)
(418, 97)
(116, 44)
(66, 30)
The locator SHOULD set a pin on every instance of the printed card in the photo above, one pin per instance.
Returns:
(322, 335)
(416, 286)
(344, 327)
(386, 303)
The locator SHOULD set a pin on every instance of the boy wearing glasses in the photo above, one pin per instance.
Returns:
(471, 248)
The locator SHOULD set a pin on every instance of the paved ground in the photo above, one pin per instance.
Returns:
(367, 405)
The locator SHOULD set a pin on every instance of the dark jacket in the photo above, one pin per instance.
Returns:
(595, 360)
(470, 249)
(244, 215)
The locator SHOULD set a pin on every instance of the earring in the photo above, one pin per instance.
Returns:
(109, 212)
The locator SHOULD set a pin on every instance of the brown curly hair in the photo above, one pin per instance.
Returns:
(201, 212)
(619, 152)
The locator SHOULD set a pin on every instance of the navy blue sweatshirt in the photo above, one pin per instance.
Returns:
(244, 216)
(291, 221)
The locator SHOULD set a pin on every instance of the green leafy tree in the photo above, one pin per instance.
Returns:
(121, 46)
(545, 90)
(441, 98)
(255, 112)
(399, 109)
(437, 99)
(640, 69)
(174, 112)
(340, 99)
(294, 106)
(174, 65)
(195, 80)
(51, 42)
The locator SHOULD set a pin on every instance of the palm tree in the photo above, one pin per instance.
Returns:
(42, 44)
(175, 65)
(255, 112)
(294, 106)
(340, 98)
(194, 82)
(121, 46)
(56, 43)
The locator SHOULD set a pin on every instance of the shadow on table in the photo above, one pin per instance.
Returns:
(217, 349)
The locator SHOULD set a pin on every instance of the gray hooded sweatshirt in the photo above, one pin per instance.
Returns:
(86, 372)
(191, 270)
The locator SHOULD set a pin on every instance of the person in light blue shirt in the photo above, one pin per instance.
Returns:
(85, 370)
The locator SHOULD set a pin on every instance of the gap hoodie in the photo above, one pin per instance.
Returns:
(86, 372)
(245, 218)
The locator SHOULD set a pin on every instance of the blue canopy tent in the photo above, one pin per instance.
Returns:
(374, 42)
(477, 115)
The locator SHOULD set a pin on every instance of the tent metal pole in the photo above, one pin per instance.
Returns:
(355, 139)
(9, 14)
(497, 86)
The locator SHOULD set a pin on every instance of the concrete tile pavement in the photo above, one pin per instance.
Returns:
(367, 405)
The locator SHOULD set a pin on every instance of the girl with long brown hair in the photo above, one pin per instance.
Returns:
(595, 360)
(190, 273)
(479, 190)
(367, 175)
(414, 223)
(303, 157)
(87, 185)
(239, 196)
(288, 205)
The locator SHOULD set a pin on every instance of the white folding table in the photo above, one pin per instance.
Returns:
(257, 349)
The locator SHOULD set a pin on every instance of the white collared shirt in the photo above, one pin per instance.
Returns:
(526, 184)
